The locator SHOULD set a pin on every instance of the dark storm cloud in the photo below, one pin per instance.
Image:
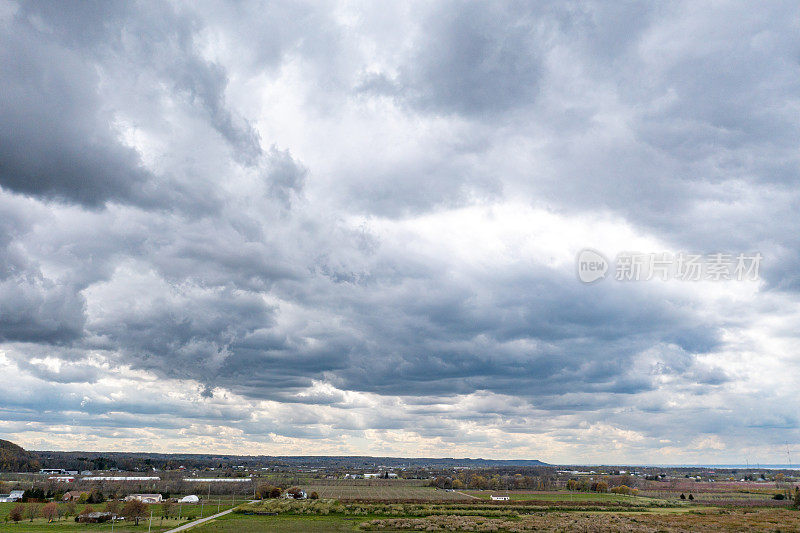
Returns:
(33, 307)
(55, 140)
(285, 176)
(58, 134)
(475, 59)
(535, 336)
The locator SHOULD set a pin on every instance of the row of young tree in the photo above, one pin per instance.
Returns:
(600, 485)
(133, 510)
(39, 494)
(470, 480)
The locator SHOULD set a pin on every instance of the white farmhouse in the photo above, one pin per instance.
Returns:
(145, 498)
(14, 496)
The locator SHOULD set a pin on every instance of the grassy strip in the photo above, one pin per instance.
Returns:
(334, 507)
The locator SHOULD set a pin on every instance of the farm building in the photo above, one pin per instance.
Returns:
(58, 471)
(95, 518)
(145, 498)
(13, 496)
(74, 495)
(500, 498)
(189, 499)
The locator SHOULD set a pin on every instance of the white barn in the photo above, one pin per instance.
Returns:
(14, 496)
(145, 498)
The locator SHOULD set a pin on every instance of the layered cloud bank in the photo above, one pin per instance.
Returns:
(336, 228)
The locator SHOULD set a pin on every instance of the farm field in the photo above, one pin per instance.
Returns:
(561, 496)
(235, 523)
(666, 520)
(346, 489)
(744, 499)
(70, 526)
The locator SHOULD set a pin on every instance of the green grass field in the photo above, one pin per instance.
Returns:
(381, 490)
(70, 526)
(673, 520)
(234, 523)
(561, 496)
(188, 512)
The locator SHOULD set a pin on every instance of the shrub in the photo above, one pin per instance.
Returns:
(600, 486)
(623, 489)
(32, 511)
(134, 510)
(16, 513)
(50, 511)
(70, 509)
(268, 491)
(33, 495)
(113, 506)
(314, 495)
(88, 509)
(95, 497)
(262, 491)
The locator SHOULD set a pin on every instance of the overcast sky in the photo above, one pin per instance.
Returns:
(351, 228)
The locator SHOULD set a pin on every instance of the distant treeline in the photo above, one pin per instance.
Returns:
(541, 478)
(132, 461)
(15, 459)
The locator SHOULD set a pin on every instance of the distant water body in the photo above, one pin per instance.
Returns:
(752, 466)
